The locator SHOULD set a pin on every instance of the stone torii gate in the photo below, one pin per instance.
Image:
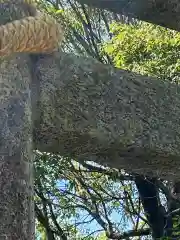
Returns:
(74, 106)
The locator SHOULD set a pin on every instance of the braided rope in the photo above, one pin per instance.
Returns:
(31, 34)
(20, 1)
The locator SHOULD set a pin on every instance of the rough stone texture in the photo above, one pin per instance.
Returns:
(162, 12)
(92, 111)
(16, 183)
(85, 110)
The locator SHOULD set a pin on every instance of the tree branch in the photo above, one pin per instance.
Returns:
(162, 12)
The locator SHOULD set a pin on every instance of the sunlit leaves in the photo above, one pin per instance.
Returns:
(146, 49)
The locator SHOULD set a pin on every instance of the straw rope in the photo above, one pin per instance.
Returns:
(37, 34)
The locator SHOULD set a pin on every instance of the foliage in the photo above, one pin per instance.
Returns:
(78, 198)
(146, 49)
(85, 201)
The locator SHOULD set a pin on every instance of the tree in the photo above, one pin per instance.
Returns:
(152, 50)
(164, 13)
(88, 124)
(139, 48)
